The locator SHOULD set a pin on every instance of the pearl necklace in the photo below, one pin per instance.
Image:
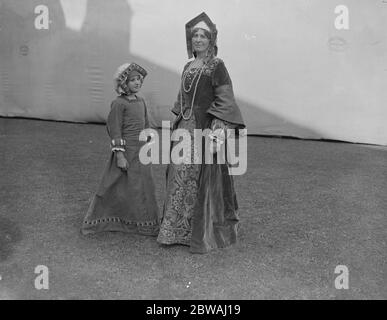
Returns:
(194, 93)
(194, 64)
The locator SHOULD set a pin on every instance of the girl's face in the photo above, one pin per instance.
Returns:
(135, 83)
(200, 41)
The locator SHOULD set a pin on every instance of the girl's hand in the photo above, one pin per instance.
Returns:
(122, 163)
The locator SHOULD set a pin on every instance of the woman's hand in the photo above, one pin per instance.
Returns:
(122, 163)
(220, 128)
(218, 124)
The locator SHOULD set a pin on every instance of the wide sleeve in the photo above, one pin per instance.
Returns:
(114, 126)
(224, 106)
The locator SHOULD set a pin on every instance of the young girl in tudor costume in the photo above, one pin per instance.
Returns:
(125, 200)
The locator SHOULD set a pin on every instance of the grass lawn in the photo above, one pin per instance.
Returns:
(305, 207)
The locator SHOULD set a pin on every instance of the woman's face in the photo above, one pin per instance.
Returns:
(135, 83)
(200, 42)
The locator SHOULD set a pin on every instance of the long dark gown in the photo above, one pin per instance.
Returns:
(201, 209)
(125, 200)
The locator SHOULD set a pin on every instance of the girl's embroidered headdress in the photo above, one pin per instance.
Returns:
(123, 73)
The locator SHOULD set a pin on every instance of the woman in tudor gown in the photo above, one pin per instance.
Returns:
(200, 209)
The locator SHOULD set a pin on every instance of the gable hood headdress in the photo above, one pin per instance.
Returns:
(204, 22)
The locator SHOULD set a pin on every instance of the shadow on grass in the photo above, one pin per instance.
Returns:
(10, 235)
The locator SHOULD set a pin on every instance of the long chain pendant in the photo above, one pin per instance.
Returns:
(193, 65)
(192, 82)
(193, 96)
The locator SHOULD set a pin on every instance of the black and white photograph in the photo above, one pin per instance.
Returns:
(208, 152)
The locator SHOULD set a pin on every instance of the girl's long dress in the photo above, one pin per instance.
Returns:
(200, 209)
(125, 200)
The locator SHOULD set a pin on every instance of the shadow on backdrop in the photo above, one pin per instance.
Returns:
(66, 74)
